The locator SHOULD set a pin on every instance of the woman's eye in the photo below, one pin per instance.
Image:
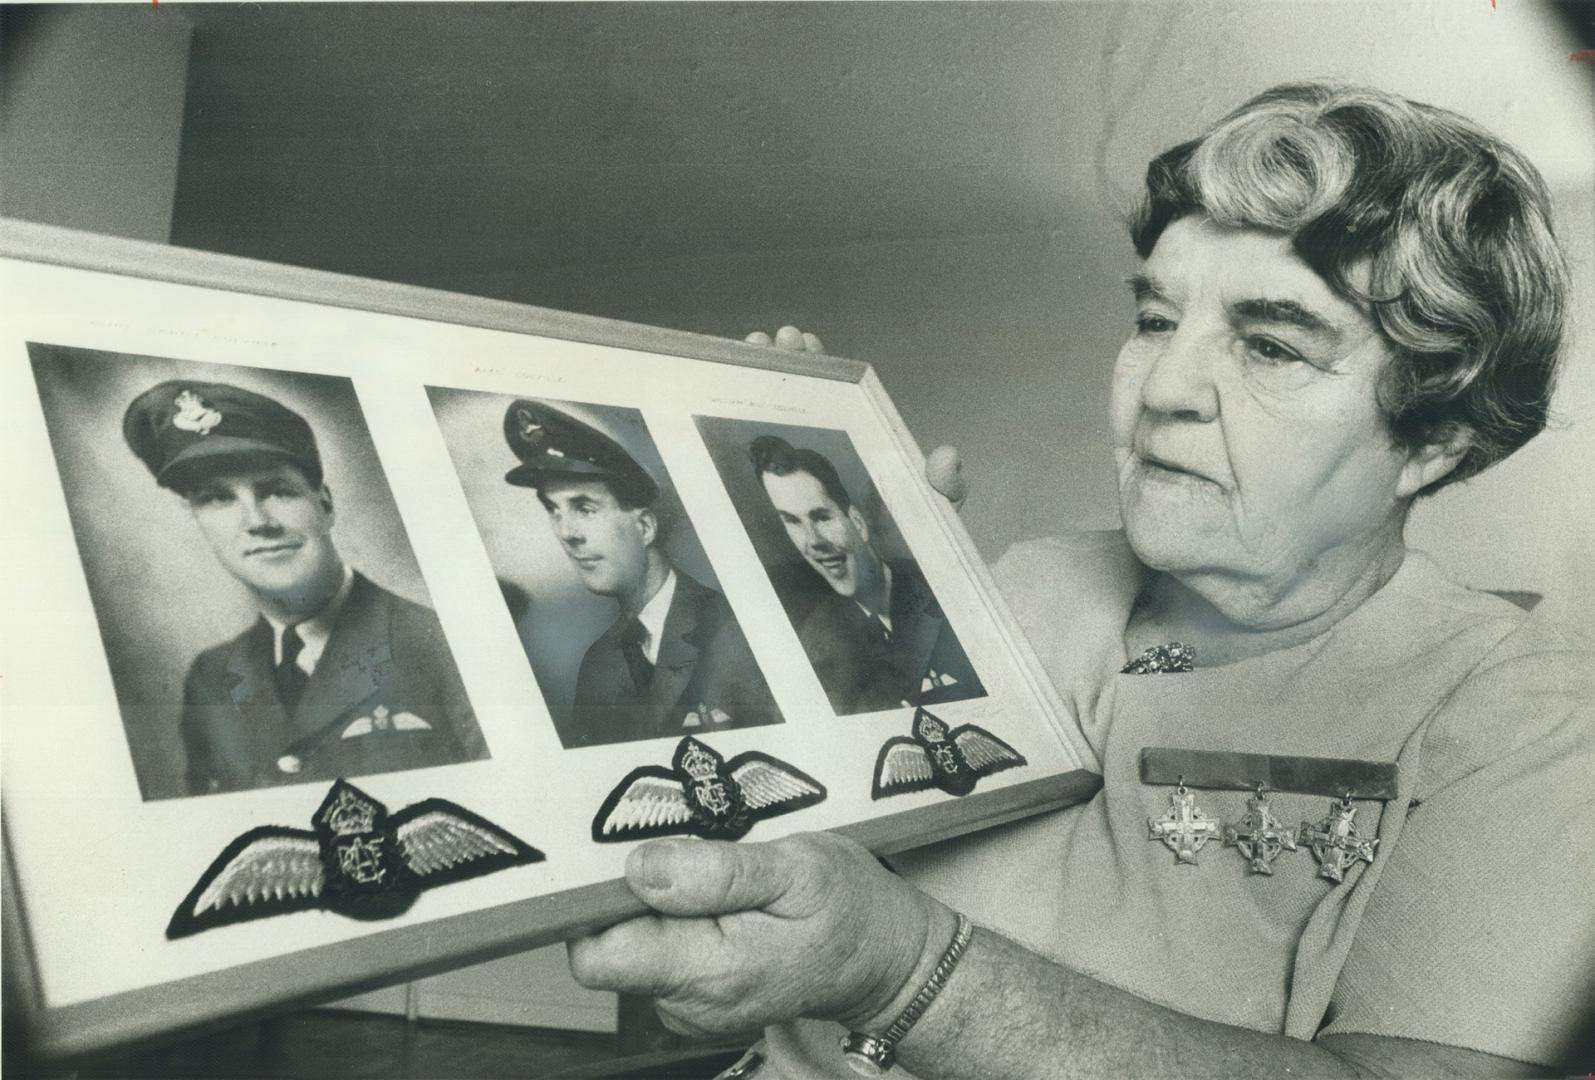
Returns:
(1272, 351)
(1153, 324)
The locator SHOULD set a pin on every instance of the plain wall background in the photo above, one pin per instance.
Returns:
(159, 594)
(91, 103)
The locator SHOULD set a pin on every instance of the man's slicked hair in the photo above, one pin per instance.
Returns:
(1453, 225)
(773, 454)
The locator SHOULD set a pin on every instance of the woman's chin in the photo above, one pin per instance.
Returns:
(1173, 542)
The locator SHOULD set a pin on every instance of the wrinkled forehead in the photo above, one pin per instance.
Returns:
(1197, 259)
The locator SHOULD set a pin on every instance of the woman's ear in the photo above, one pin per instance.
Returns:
(1433, 461)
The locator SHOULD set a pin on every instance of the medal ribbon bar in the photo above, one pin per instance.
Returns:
(1232, 771)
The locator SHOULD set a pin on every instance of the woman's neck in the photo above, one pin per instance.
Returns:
(1228, 620)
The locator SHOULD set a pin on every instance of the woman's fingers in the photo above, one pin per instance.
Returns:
(944, 469)
(698, 877)
(788, 337)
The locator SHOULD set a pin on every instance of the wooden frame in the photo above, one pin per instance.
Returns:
(85, 294)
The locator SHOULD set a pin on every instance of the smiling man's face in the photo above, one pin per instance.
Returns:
(1245, 418)
(833, 541)
(270, 529)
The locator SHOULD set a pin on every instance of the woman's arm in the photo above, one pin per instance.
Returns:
(749, 935)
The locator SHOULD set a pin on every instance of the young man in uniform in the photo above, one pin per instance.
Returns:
(674, 661)
(338, 676)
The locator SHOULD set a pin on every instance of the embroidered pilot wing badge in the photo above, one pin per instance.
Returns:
(953, 759)
(704, 795)
(357, 860)
(193, 414)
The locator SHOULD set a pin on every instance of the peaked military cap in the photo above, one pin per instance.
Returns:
(182, 429)
(550, 442)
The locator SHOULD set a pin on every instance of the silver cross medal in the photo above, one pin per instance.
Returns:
(1335, 842)
(1260, 835)
(1184, 829)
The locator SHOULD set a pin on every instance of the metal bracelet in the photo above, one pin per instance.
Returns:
(874, 1055)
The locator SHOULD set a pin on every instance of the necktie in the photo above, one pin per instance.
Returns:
(631, 639)
(291, 678)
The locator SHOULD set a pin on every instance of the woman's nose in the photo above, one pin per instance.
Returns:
(1180, 382)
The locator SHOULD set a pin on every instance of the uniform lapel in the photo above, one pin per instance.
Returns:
(916, 625)
(250, 680)
(679, 649)
(358, 657)
(260, 728)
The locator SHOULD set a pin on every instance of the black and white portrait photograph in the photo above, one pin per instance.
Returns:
(263, 615)
(1132, 458)
(863, 611)
(612, 596)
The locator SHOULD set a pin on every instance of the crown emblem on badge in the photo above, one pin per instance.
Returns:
(349, 813)
(699, 763)
(193, 414)
(929, 728)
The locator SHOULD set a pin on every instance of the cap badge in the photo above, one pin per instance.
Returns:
(193, 414)
(528, 424)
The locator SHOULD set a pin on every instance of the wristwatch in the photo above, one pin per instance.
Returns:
(874, 1055)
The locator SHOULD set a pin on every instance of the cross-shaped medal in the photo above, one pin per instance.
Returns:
(1335, 842)
(1184, 829)
(1260, 835)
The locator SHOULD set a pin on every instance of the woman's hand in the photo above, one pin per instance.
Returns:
(788, 337)
(943, 469)
(754, 934)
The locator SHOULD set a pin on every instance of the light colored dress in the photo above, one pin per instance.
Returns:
(1474, 926)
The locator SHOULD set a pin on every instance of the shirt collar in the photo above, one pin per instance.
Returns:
(885, 614)
(653, 615)
(315, 630)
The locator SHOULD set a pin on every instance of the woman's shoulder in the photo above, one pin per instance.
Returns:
(1086, 563)
(1529, 688)
(1071, 595)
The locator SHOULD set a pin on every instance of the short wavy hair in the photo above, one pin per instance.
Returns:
(1465, 279)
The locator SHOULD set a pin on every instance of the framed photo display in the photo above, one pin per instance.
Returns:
(356, 631)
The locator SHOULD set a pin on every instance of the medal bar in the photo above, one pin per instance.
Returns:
(1231, 771)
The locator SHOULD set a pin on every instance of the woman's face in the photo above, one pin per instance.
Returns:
(1247, 436)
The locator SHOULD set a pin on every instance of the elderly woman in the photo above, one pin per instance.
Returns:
(1348, 300)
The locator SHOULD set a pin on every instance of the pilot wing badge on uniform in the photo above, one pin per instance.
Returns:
(703, 794)
(953, 759)
(357, 860)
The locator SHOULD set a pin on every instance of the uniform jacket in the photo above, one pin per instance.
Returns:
(705, 678)
(384, 696)
(864, 668)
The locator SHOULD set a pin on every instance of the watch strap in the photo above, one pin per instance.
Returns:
(874, 1055)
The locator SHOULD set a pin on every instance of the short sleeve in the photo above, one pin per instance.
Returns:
(1480, 932)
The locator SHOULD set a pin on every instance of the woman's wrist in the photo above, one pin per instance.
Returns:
(898, 985)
